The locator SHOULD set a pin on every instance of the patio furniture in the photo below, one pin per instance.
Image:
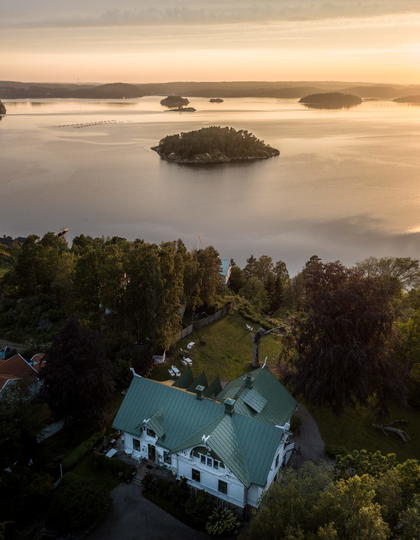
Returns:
(176, 371)
(171, 372)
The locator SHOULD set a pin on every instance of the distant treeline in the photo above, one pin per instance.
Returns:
(282, 89)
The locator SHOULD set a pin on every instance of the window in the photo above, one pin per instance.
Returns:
(136, 445)
(167, 458)
(222, 487)
(151, 433)
(207, 457)
(277, 460)
(195, 475)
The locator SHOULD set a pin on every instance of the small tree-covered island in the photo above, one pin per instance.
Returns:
(331, 100)
(214, 144)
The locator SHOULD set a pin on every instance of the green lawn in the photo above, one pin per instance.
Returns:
(227, 351)
(353, 429)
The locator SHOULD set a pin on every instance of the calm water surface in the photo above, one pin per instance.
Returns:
(346, 186)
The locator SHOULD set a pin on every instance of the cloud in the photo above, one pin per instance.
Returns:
(103, 12)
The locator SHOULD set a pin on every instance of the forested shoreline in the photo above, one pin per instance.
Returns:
(97, 307)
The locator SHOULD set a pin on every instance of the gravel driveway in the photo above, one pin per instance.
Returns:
(133, 517)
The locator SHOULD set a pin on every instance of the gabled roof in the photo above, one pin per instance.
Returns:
(279, 403)
(38, 361)
(201, 380)
(15, 367)
(242, 441)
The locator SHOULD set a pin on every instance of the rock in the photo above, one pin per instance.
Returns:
(182, 109)
(216, 100)
(2, 108)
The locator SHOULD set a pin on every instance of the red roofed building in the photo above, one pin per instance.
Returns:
(16, 368)
(38, 361)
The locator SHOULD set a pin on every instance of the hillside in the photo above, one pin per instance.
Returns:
(225, 350)
(415, 100)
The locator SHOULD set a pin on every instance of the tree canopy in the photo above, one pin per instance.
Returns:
(344, 338)
(212, 144)
(77, 381)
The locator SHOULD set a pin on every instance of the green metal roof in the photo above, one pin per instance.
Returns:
(201, 380)
(242, 441)
(155, 422)
(280, 404)
(254, 400)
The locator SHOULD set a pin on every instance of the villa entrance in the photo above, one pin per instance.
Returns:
(151, 451)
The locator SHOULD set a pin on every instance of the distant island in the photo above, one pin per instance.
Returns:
(2, 108)
(331, 100)
(174, 102)
(216, 100)
(213, 144)
(208, 90)
(414, 100)
(182, 109)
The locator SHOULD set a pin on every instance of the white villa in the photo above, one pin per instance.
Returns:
(230, 442)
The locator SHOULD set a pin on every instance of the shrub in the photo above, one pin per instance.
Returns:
(333, 451)
(77, 505)
(222, 522)
(114, 466)
(199, 507)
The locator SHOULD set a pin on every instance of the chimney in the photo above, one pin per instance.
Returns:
(249, 381)
(229, 406)
(199, 391)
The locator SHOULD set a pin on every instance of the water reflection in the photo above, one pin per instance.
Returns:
(346, 186)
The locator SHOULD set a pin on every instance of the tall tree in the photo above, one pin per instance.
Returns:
(77, 377)
(404, 270)
(344, 339)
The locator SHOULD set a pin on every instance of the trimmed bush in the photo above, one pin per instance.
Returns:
(222, 522)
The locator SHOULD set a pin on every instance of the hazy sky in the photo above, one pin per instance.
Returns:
(144, 41)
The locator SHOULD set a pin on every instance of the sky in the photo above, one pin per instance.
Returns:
(200, 40)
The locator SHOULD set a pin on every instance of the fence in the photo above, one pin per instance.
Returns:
(201, 323)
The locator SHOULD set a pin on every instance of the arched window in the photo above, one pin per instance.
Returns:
(207, 457)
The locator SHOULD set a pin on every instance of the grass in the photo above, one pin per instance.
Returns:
(227, 351)
(103, 477)
(353, 429)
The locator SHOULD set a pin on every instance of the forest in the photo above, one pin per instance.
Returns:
(99, 306)
(218, 143)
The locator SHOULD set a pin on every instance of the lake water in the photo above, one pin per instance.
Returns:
(346, 186)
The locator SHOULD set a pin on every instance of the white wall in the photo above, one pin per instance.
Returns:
(184, 462)
(209, 478)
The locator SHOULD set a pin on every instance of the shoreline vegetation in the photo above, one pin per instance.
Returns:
(412, 100)
(331, 100)
(209, 90)
(2, 108)
(174, 102)
(213, 145)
